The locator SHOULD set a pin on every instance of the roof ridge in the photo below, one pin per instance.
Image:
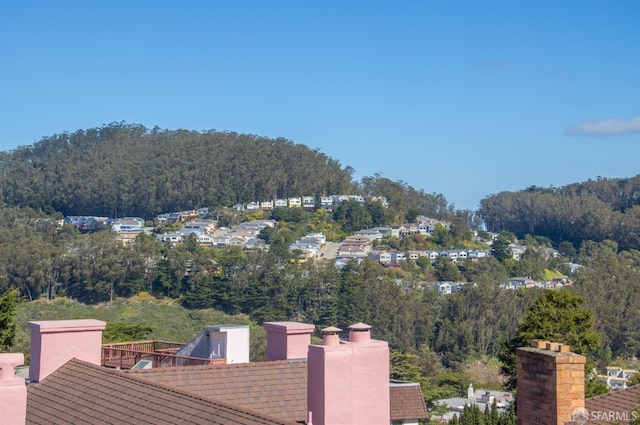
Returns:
(131, 376)
(269, 363)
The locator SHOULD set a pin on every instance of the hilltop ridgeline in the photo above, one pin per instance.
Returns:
(128, 170)
(123, 169)
(594, 210)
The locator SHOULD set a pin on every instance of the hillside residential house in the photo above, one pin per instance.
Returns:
(121, 224)
(383, 257)
(450, 255)
(220, 240)
(409, 229)
(397, 231)
(397, 256)
(448, 288)
(309, 246)
(616, 377)
(173, 237)
(517, 251)
(356, 240)
(253, 206)
(352, 251)
(444, 288)
(295, 202)
(205, 240)
(429, 224)
(326, 203)
(381, 199)
(202, 225)
(308, 202)
(521, 282)
(371, 234)
(474, 255)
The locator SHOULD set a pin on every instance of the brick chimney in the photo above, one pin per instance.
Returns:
(13, 391)
(550, 383)
(287, 340)
(55, 342)
(348, 381)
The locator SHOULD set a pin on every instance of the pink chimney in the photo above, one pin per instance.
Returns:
(55, 342)
(13, 391)
(287, 340)
(349, 380)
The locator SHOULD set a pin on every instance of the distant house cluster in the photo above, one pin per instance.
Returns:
(86, 223)
(308, 203)
(126, 229)
(244, 235)
(448, 288)
(359, 246)
(423, 226)
(309, 245)
(526, 283)
(182, 215)
(481, 398)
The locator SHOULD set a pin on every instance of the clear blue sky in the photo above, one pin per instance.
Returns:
(463, 98)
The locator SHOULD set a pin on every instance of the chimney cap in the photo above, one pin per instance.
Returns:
(331, 330)
(8, 362)
(78, 325)
(289, 328)
(360, 327)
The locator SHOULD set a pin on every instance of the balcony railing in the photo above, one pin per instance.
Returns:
(125, 355)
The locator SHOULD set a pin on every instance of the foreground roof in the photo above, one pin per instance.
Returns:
(614, 407)
(278, 388)
(407, 401)
(83, 393)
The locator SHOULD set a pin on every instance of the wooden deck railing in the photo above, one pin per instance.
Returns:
(160, 353)
(149, 346)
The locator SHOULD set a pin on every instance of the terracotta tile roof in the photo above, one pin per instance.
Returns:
(407, 402)
(613, 407)
(83, 393)
(278, 388)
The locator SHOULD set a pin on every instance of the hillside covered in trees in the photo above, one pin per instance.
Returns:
(593, 210)
(120, 170)
(128, 170)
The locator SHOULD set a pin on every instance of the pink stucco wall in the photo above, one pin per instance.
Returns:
(55, 342)
(349, 383)
(13, 391)
(371, 383)
(287, 340)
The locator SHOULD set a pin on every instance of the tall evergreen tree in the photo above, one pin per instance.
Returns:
(8, 302)
(558, 316)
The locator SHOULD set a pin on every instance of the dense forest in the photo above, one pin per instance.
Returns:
(128, 170)
(120, 170)
(593, 210)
